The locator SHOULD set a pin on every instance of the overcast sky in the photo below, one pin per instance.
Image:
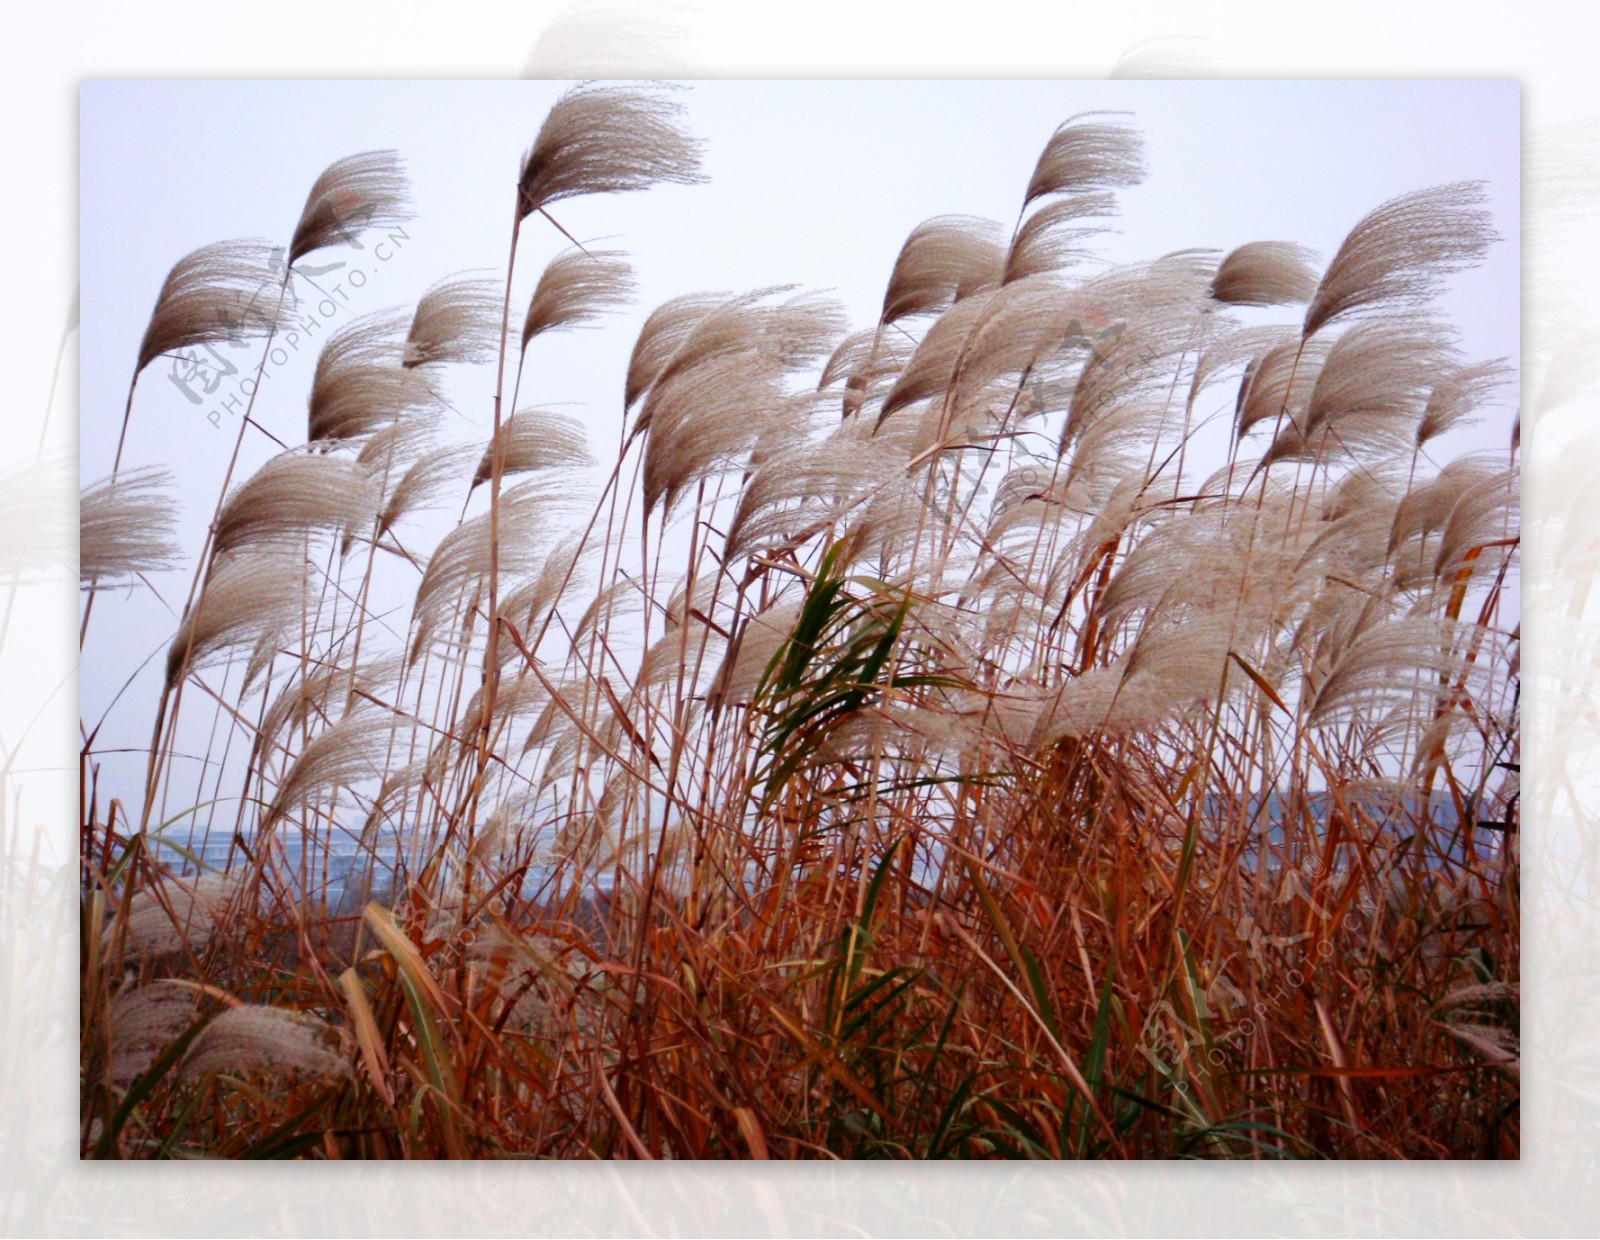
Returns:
(812, 183)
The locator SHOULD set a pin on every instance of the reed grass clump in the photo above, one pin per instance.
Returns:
(1074, 715)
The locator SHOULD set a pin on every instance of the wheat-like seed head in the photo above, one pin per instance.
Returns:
(747, 658)
(461, 560)
(932, 366)
(1381, 661)
(622, 597)
(351, 751)
(321, 693)
(360, 385)
(1427, 505)
(184, 913)
(1054, 236)
(1486, 511)
(425, 483)
(866, 361)
(145, 1020)
(512, 699)
(1458, 395)
(1382, 368)
(1278, 383)
(1228, 347)
(562, 571)
(808, 487)
(536, 439)
(663, 333)
(723, 391)
(292, 497)
(244, 597)
(258, 1039)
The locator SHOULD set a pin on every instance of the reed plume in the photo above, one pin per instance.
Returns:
(1085, 155)
(360, 384)
(576, 288)
(943, 260)
(292, 497)
(1266, 273)
(534, 439)
(1397, 256)
(126, 526)
(245, 597)
(259, 1039)
(220, 294)
(601, 139)
(358, 192)
(454, 322)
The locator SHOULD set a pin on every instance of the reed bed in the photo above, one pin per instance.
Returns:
(1072, 716)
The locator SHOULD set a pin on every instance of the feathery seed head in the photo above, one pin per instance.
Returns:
(576, 288)
(1266, 273)
(456, 320)
(125, 526)
(1084, 155)
(226, 292)
(1398, 255)
(601, 139)
(358, 192)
